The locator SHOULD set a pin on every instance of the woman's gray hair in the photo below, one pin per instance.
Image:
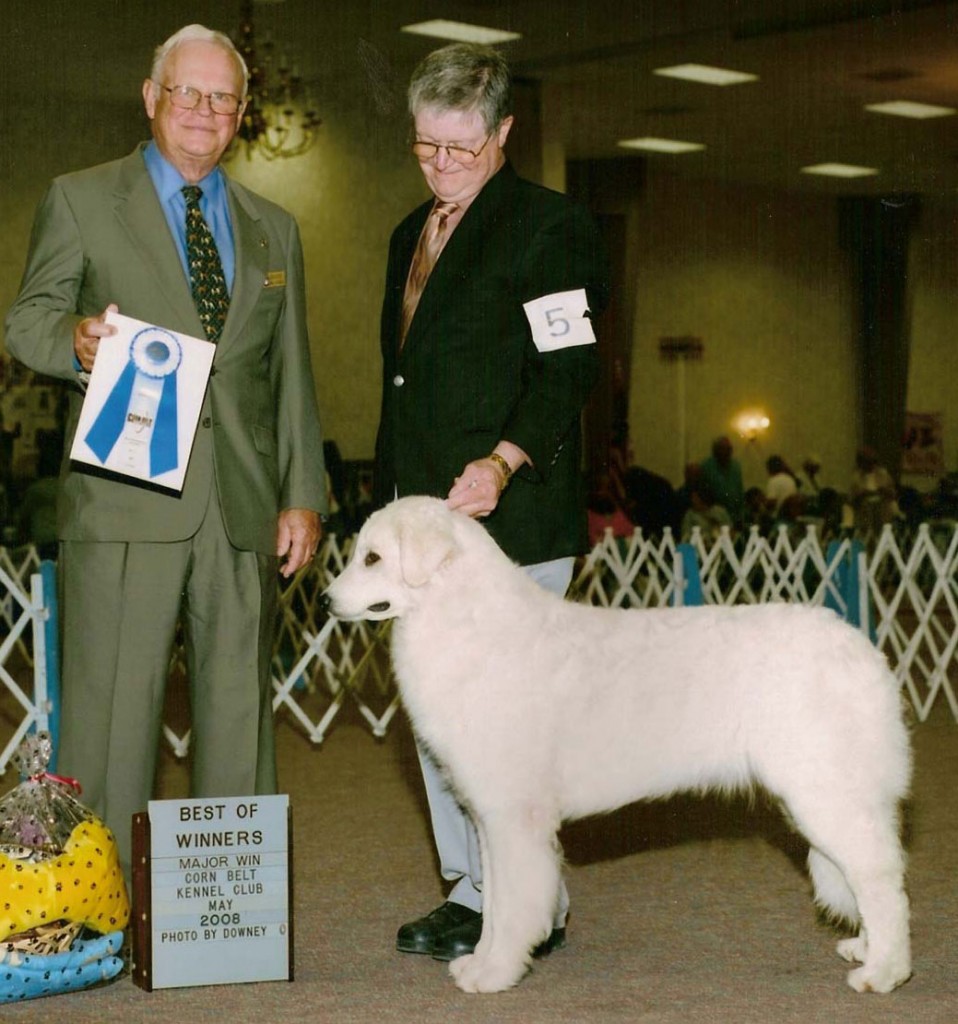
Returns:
(197, 34)
(463, 76)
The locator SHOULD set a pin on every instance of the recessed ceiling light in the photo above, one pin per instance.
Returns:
(654, 145)
(706, 75)
(460, 31)
(840, 170)
(905, 108)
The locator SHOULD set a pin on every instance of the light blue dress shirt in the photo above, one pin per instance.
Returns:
(214, 205)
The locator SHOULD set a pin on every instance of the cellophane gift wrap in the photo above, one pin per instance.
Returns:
(63, 898)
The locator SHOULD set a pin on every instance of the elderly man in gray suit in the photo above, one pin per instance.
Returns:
(124, 236)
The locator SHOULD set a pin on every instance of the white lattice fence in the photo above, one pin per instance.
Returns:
(318, 662)
(24, 607)
(915, 597)
(637, 572)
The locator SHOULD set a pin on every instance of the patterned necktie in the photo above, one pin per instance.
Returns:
(430, 244)
(207, 282)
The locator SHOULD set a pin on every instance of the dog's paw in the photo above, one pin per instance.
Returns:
(881, 979)
(482, 973)
(853, 950)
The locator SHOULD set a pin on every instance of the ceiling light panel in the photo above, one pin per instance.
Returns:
(836, 170)
(460, 31)
(905, 108)
(653, 145)
(706, 75)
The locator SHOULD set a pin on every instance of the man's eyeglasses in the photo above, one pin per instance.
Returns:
(187, 98)
(465, 157)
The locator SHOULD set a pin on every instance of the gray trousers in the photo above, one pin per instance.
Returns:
(120, 608)
(455, 836)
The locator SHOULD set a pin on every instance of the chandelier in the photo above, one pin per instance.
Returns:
(279, 120)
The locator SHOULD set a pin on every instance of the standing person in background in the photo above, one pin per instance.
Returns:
(489, 356)
(723, 475)
(164, 236)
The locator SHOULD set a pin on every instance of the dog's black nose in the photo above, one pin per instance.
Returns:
(324, 602)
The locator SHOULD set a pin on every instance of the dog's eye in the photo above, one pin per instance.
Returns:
(371, 558)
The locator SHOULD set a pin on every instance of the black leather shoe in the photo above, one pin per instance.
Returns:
(421, 935)
(461, 940)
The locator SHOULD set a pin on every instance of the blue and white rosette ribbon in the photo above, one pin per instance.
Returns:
(142, 403)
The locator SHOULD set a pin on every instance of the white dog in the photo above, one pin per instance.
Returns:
(542, 710)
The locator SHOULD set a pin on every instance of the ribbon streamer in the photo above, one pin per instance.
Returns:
(155, 354)
(65, 779)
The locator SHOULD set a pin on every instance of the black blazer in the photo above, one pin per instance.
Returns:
(470, 374)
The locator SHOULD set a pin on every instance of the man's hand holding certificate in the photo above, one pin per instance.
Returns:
(143, 402)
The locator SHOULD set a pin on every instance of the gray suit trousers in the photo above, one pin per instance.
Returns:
(121, 603)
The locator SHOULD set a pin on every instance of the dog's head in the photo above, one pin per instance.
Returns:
(397, 552)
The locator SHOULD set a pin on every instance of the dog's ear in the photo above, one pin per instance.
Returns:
(425, 544)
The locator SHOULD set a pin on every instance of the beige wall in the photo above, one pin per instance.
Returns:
(760, 279)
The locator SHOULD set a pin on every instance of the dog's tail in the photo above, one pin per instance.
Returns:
(832, 893)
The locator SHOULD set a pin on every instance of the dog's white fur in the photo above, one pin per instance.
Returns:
(542, 710)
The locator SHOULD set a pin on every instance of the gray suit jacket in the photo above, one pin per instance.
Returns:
(100, 236)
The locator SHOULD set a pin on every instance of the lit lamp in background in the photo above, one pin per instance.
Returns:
(751, 424)
(280, 120)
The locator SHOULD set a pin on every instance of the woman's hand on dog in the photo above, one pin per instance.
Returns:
(477, 489)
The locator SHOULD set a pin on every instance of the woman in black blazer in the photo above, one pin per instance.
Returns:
(484, 387)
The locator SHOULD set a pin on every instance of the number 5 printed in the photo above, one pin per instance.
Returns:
(560, 324)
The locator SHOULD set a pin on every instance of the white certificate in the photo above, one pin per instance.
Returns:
(143, 402)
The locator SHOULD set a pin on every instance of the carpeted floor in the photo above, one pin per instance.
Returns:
(685, 912)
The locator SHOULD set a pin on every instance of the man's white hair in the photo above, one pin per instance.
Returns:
(197, 34)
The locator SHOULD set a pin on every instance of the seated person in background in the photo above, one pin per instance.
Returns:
(781, 482)
(705, 513)
(944, 500)
(790, 510)
(757, 510)
(829, 506)
(683, 493)
(604, 512)
(871, 493)
(650, 500)
(37, 514)
(914, 506)
(811, 479)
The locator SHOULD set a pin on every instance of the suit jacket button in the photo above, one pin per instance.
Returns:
(399, 380)
(207, 421)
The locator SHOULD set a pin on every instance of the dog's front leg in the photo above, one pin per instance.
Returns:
(520, 884)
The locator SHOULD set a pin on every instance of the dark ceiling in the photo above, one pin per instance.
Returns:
(818, 61)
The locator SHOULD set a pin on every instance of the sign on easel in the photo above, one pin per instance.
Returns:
(212, 897)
